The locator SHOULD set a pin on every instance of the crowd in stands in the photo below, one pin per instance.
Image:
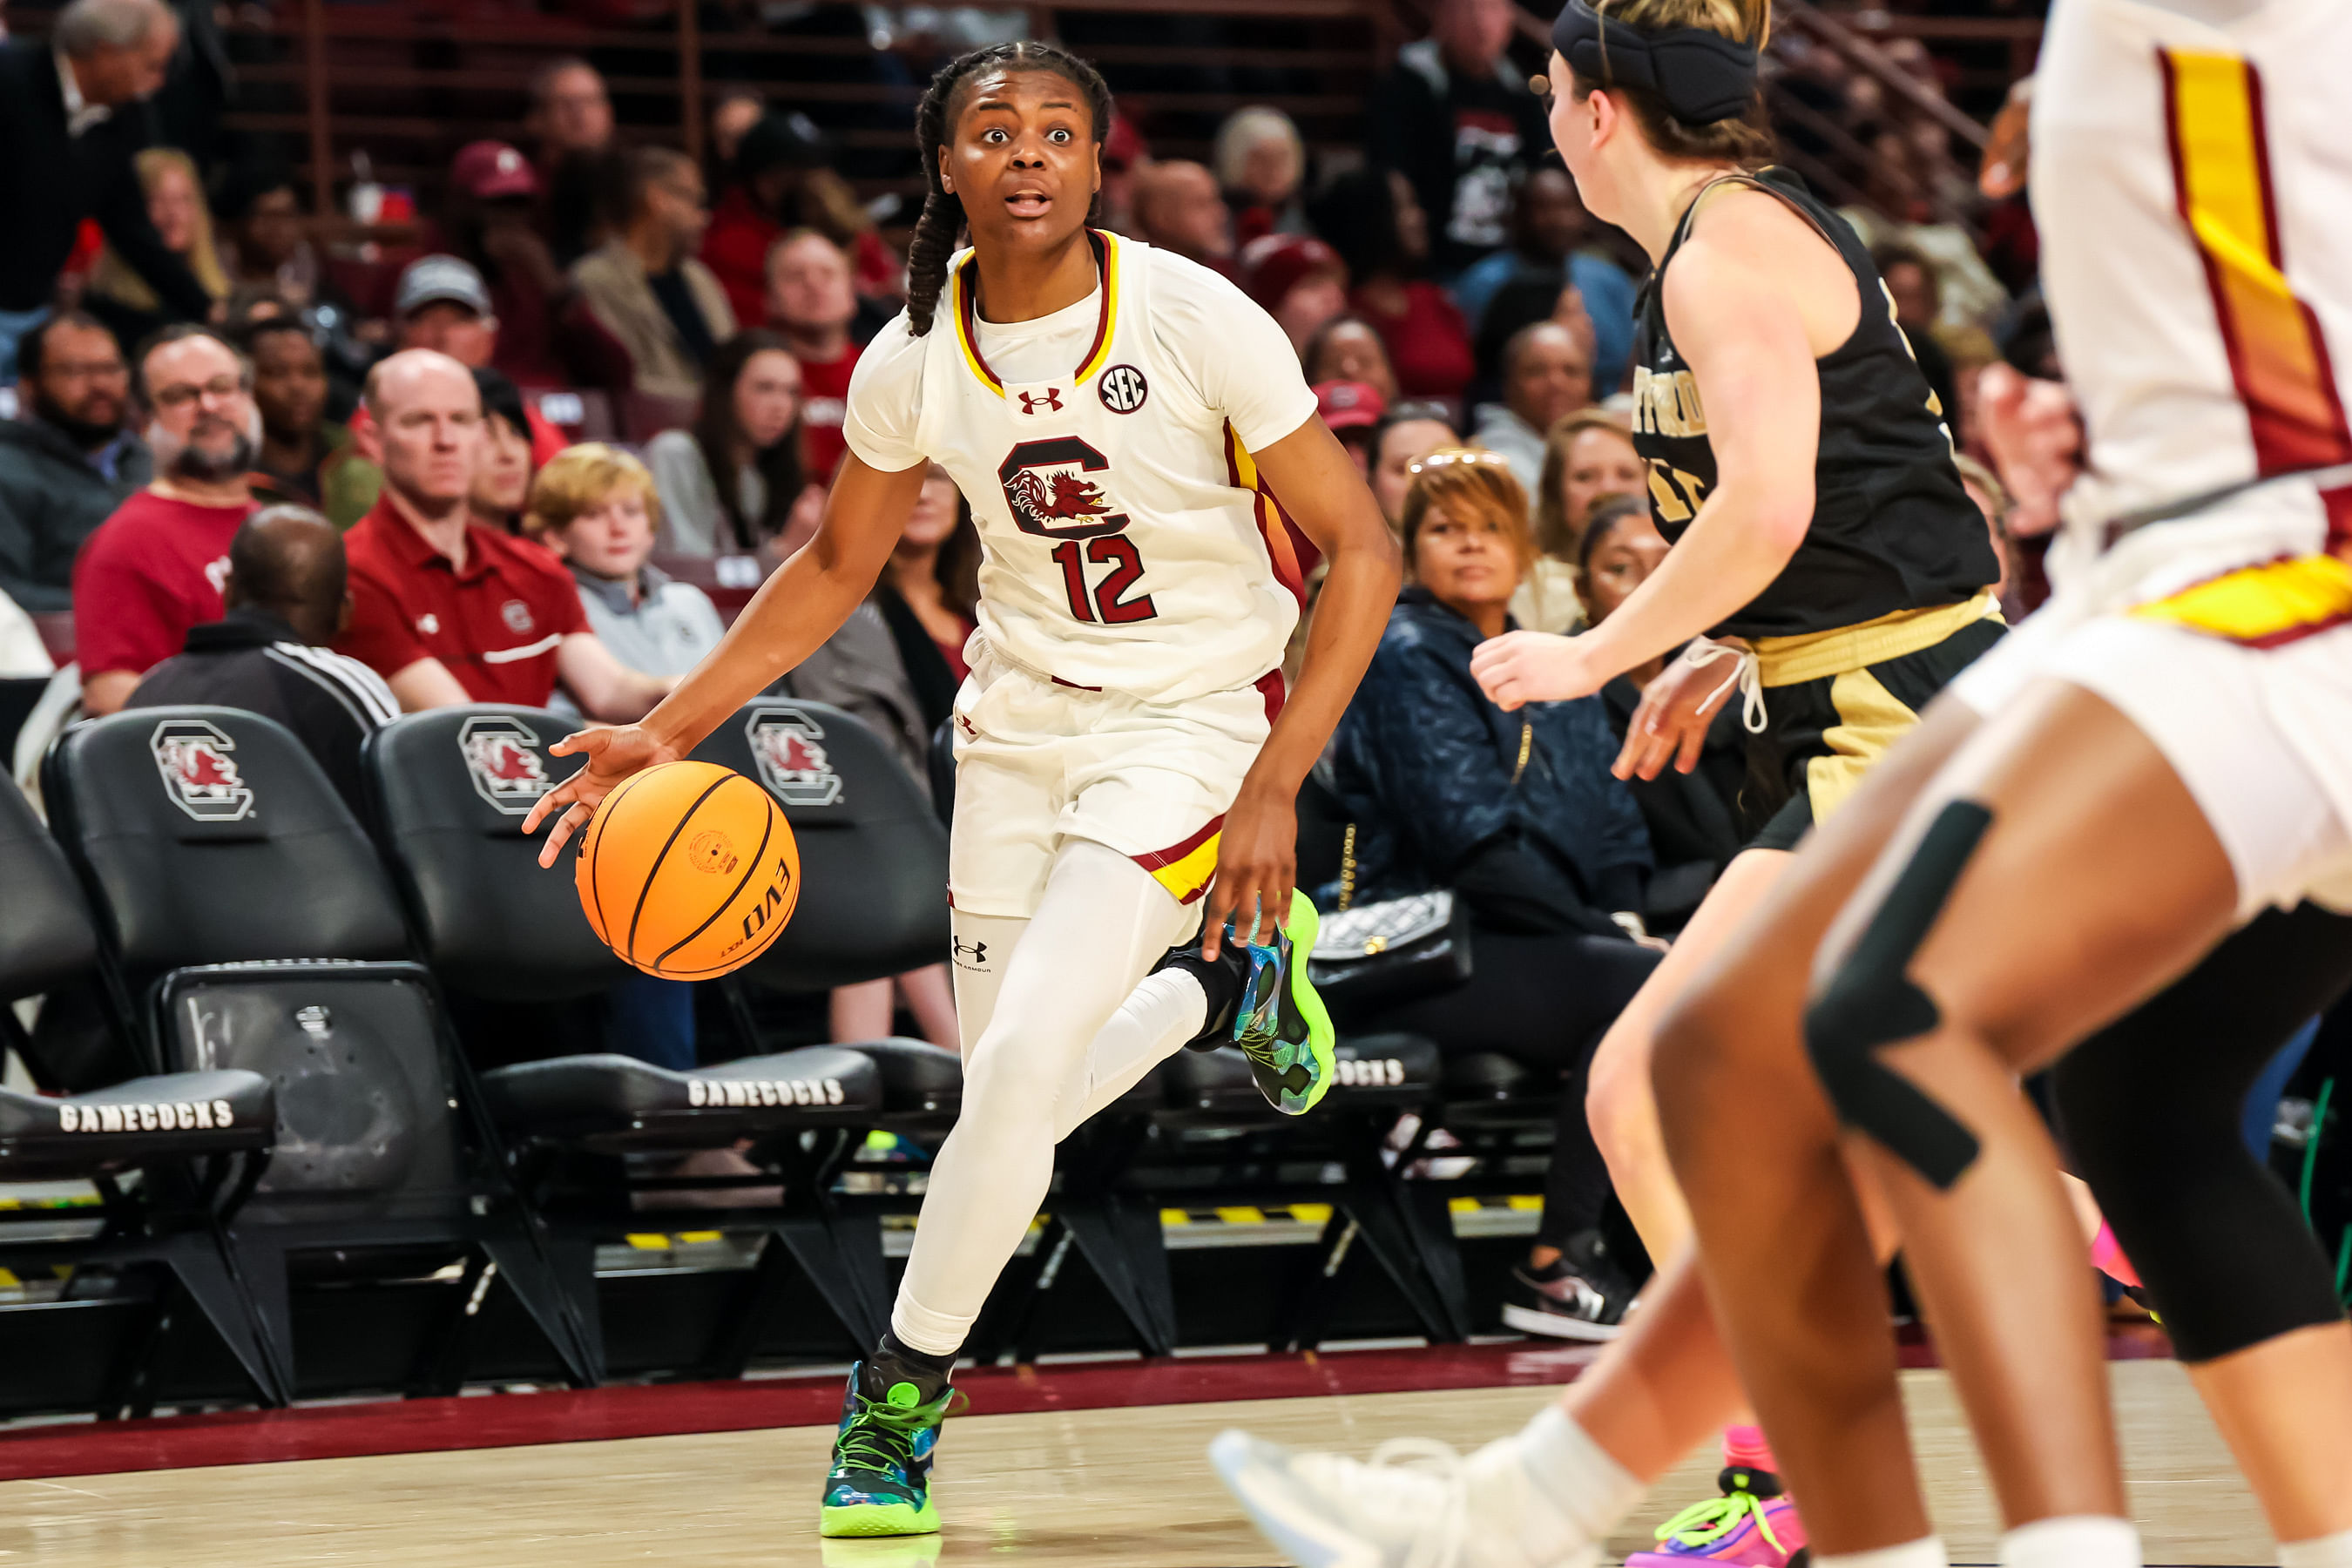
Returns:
(251, 484)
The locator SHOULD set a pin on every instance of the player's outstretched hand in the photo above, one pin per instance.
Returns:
(1670, 723)
(1520, 668)
(613, 752)
(1257, 863)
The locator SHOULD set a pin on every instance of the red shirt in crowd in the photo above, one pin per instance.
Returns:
(825, 399)
(735, 248)
(148, 574)
(953, 651)
(1429, 345)
(496, 623)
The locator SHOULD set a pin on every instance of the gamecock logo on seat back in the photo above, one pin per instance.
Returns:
(199, 768)
(502, 757)
(788, 747)
(1051, 489)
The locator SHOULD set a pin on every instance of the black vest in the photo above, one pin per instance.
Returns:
(1892, 528)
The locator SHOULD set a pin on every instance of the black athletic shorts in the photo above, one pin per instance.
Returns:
(1821, 735)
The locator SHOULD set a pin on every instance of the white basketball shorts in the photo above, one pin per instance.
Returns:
(1039, 761)
(2244, 683)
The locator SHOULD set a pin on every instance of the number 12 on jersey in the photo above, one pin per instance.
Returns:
(1104, 602)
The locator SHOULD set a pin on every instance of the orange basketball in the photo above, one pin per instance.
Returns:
(688, 870)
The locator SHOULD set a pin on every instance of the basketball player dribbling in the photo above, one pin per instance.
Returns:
(1121, 421)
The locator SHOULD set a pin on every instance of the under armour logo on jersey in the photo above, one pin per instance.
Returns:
(1052, 400)
(975, 950)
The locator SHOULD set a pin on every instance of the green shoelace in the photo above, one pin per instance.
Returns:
(885, 1433)
(1703, 1523)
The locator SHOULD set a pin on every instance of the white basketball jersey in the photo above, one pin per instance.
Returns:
(2193, 189)
(1128, 545)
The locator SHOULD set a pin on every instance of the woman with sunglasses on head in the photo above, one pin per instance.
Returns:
(1121, 421)
(1828, 572)
(1516, 816)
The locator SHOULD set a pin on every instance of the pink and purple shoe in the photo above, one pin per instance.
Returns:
(1751, 1524)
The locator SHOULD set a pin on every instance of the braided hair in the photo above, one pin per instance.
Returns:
(941, 224)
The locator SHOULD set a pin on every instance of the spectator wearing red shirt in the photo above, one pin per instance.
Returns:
(783, 181)
(155, 568)
(1373, 220)
(446, 610)
(811, 303)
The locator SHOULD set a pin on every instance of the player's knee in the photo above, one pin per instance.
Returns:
(1619, 1108)
(1005, 1078)
(1871, 1001)
(1693, 1059)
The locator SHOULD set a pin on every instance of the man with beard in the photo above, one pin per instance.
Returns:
(155, 568)
(69, 461)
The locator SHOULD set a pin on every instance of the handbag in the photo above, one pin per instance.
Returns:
(1396, 949)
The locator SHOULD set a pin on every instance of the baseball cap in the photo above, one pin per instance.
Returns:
(489, 170)
(1274, 263)
(429, 278)
(1123, 145)
(1349, 405)
(782, 140)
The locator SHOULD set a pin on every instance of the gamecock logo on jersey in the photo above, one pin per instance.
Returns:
(789, 749)
(1050, 486)
(502, 757)
(195, 758)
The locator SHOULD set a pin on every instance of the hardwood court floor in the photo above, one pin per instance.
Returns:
(1120, 1488)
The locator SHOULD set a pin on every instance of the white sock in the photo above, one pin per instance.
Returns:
(2076, 1540)
(1927, 1552)
(2320, 1551)
(1551, 1487)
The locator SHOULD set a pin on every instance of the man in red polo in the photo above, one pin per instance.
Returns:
(449, 611)
(155, 568)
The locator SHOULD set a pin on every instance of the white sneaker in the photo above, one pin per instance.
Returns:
(1411, 1507)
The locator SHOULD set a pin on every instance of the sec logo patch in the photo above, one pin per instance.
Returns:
(1123, 389)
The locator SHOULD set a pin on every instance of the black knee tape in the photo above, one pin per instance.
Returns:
(1871, 1002)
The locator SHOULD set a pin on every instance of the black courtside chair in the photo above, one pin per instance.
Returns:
(249, 923)
(449, 791)
(199, 1140)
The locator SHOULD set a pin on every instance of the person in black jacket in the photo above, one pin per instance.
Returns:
(287, 599)
(67, 459)
(68, 132)
(1518, 814)
(1455, 118)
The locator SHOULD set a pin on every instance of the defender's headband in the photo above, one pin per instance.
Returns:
(1702, 76)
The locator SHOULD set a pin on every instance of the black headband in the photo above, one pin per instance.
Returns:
(1702, 76)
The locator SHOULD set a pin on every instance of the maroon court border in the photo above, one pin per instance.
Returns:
(515, 1420)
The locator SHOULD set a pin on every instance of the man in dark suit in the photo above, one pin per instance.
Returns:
(68, 132)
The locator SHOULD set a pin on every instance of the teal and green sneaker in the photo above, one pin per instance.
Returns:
(1281, 1023)
(880, 1483)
